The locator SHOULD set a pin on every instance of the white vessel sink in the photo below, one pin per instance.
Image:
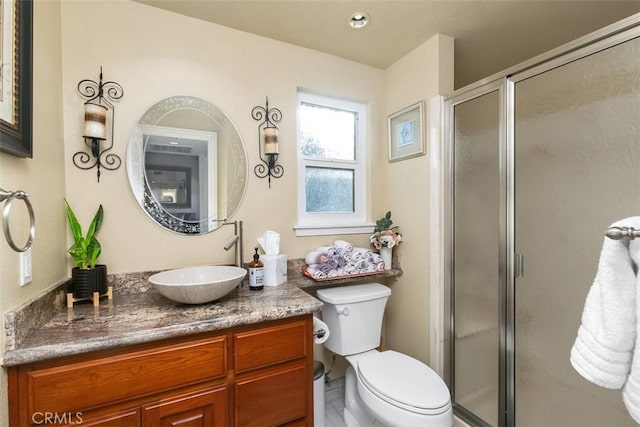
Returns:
(197, 285)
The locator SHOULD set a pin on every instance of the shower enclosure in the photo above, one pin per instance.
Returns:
(541, 160)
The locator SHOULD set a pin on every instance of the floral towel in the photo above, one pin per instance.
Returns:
(342, 259)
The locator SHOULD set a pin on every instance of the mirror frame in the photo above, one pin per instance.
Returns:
(152, 207)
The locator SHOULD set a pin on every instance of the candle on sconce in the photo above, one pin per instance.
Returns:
(95, 121)
(270, 140)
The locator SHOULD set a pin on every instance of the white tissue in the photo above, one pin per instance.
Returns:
(320, 331)
(270, 243)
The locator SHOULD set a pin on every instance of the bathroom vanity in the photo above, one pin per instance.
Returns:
(143, 360)
(251, 375)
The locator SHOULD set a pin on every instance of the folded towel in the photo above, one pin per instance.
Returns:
(631, 390)
(334, 273)
(606, 338)
(343, 259)
(340, 260)
(325, 268)
(344, 245)
(316, 257)
(314, 271)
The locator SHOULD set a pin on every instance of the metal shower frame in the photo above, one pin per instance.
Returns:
(509, 264)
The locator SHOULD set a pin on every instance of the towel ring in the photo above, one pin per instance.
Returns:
(10, 197)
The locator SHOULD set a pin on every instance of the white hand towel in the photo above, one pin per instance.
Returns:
(316, 257)
(631, 390)
(346, 246)
(607, 336)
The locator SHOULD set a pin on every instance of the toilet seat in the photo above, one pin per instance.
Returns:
(403, 382)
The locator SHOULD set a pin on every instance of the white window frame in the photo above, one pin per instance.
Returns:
(314, 224)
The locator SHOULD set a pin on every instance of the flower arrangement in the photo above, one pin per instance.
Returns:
(385, 236)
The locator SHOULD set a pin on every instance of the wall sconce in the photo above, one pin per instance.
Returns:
(96, 110)
(267, 141)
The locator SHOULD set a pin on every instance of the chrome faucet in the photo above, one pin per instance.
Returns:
(236, 240)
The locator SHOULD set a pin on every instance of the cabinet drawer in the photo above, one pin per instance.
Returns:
(84, 385)
(274, 398)
(268, 346)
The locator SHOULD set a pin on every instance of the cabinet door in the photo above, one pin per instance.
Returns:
(205, 408)
(272, 398)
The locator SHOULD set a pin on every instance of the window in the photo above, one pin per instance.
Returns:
(331, 166)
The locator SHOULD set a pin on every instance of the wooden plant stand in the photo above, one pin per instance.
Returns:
(95, 297)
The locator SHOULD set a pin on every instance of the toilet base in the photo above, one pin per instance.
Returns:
(355, 414)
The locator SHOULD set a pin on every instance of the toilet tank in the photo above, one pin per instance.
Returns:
(354, 316)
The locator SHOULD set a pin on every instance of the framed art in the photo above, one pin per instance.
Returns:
(16, 40)
(406, 135)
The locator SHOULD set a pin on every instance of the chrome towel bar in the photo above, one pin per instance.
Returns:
(617, 233)
(8, 197)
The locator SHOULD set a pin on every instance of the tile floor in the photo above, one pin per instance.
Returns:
(334, 405)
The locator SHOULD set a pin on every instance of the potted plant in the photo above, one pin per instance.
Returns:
(87, 277)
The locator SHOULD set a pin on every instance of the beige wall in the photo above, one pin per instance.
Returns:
(154, 54)
(420, 75)
(41, 177)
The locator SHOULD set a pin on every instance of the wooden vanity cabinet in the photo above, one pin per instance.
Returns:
(256, 375)
(266, 389)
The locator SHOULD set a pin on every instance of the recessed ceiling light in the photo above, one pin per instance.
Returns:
(359, 20)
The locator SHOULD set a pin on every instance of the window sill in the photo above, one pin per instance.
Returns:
(327, 230)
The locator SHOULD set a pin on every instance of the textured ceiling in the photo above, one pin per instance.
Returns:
(490, 35)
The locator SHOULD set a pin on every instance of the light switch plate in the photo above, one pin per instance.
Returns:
(25, 267)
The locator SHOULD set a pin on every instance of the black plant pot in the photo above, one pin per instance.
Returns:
(84, 282)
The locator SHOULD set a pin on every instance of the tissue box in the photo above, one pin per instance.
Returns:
(275, 269)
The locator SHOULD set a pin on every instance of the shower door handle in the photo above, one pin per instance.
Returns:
(518, 268)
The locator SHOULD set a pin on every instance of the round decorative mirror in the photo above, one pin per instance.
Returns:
(186, 164)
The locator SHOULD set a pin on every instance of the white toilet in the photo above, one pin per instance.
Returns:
(381, 388)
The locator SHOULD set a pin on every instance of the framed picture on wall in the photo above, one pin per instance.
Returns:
(406, 134)
(16, 23)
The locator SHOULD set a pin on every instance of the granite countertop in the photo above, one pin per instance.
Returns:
(44, 328)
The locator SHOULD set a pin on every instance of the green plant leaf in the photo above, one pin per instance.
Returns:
(384, 223)
(77, 252)
(93, 251)
(95, 224)
(76, 230)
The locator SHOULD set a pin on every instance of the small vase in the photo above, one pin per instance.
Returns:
(385, 253)
(84, 282)
(80, 284)
(100, 284)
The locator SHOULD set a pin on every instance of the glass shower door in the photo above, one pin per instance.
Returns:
(577, 170)
(476, 255)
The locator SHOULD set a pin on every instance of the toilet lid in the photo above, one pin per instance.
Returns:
(403, 381)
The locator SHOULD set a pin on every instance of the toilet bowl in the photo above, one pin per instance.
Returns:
(399, 390)
(384, 388)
